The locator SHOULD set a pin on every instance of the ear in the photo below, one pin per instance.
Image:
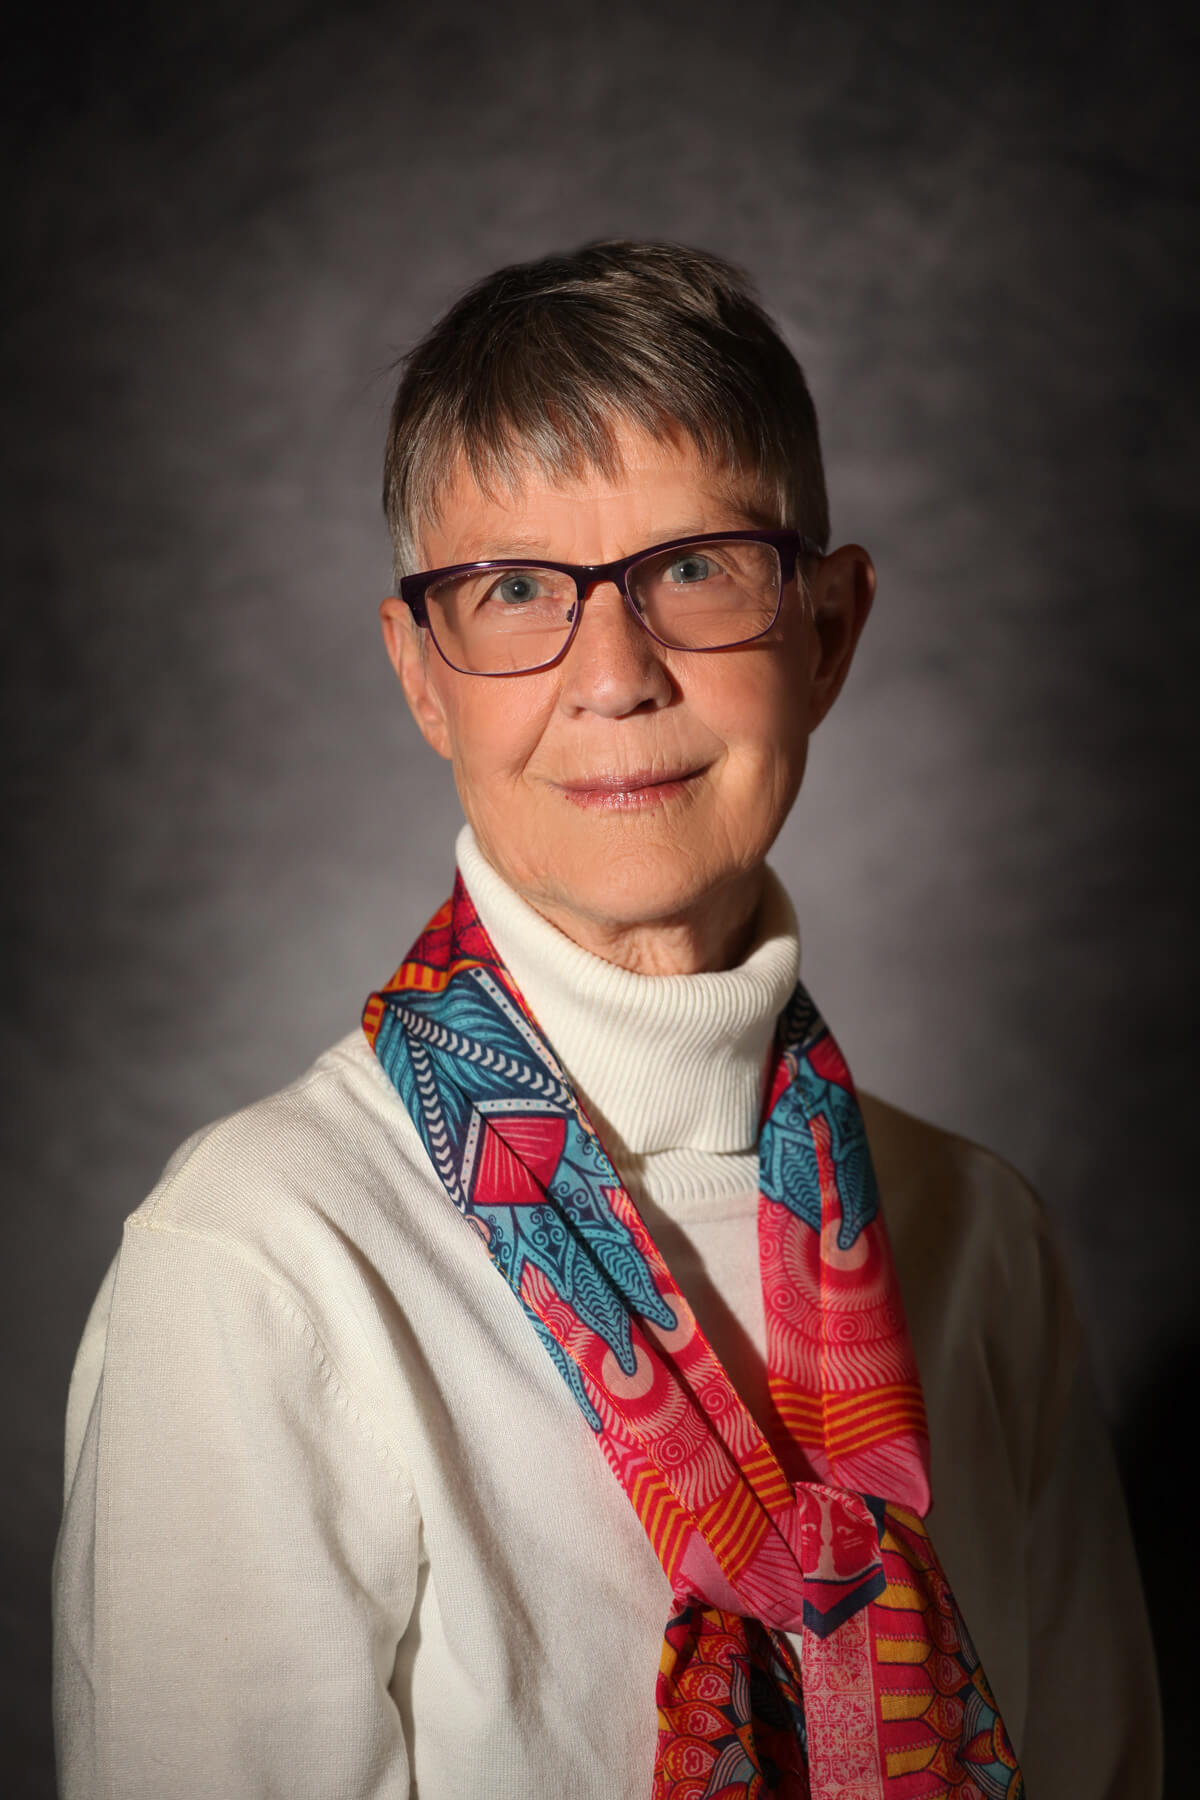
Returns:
(840, 593)
(407, 655)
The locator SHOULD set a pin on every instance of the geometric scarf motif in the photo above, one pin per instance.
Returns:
(813, 1528)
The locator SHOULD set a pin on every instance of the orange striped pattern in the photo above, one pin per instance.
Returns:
(860, 1421)
(412, 977)
(666, 1523)
(918, 1555)
(766, 1477)
(800, 1412)
(845, 1423)
(913, 1760)
(888, 1686)
(734, 1526)
(372, 1018)
(902, 1594)
(425, 980)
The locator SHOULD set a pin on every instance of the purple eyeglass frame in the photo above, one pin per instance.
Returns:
(790, 544)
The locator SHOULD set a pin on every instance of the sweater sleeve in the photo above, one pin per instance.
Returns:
(239, 1549)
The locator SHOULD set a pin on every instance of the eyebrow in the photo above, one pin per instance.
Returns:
(524, 549)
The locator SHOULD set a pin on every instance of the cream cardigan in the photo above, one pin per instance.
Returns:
(335, 1528)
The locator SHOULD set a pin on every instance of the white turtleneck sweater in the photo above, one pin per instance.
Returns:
(336, 1530)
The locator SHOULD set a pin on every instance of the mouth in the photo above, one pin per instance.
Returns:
(630, 792)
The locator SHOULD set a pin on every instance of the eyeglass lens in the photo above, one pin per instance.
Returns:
(706, 596)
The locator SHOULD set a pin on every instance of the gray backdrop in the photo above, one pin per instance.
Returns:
(979, 234)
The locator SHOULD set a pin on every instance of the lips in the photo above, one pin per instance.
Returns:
(622, 783)
(629, 789)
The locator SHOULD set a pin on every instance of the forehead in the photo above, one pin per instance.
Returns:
(658, 487)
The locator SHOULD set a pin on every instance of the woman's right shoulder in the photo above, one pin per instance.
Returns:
(316, 1204)
(331, 1142)
(304, 1190)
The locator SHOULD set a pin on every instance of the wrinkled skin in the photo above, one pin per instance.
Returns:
(660, 879)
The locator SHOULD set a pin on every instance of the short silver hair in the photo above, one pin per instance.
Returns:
(540, 362)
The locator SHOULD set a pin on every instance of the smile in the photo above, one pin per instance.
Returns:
(632, 792)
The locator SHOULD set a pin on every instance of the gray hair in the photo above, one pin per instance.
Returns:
(539, 362)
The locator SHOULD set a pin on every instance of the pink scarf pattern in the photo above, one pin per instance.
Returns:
(808, 1532)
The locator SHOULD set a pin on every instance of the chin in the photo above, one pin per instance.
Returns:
(642, 889)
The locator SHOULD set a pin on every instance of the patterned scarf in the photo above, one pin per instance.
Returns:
(813, 1529)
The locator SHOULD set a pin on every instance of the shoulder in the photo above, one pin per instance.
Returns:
(909, 1149)
(333, 1121)
(262, 1241)
(946, 1197)
(318, 1165)
(979, 1267)
(985, 1290)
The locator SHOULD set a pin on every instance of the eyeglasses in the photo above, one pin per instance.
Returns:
(511, 617)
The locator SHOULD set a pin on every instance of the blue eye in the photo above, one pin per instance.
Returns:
(691, 568)
(516, 589)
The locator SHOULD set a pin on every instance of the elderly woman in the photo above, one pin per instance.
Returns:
(527, 1401)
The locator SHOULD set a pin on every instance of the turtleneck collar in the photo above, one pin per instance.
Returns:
(661, 1062)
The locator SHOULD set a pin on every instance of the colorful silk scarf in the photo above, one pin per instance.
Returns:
(815, 1530)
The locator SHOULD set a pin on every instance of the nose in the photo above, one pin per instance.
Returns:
(613, 667)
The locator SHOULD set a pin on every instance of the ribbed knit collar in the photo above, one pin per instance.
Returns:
(662, 1062)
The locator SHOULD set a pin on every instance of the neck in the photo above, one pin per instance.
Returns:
(671, 1062)
(712, 936)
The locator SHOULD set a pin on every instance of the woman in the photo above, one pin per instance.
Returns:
(525, 1402)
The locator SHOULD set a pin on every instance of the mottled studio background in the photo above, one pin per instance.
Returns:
(979, 233)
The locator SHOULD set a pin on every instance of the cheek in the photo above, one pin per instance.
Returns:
(762, 720)
(494, 728)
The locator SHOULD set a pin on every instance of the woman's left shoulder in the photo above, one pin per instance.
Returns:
(976, 1254)
(939, 1187)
